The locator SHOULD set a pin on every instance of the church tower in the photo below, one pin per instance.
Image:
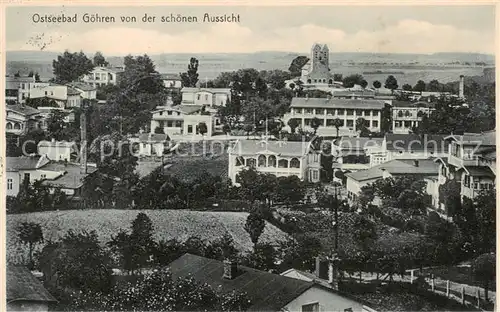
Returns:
(320, 57)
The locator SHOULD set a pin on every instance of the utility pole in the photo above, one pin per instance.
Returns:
(83, 139)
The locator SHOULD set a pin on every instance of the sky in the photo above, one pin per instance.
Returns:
(376, 29)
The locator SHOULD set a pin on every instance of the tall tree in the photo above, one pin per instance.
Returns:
(254, 226)
(364, 83)
(391, 83)
(295, 68)
(293, 123)
(190, 78)
(434, 86)
(337, 123)
(31, 234)
(351, 80)
(70, 67)
(420, 86)
(377, 84)
(315, 123)
(99, 60)
(484, 269)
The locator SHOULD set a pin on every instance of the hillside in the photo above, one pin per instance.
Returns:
(168, 224)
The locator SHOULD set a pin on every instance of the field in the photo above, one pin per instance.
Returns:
(168, 224)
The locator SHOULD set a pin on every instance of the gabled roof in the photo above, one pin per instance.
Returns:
(82, 86)
(336, 103)
(24, 286)
(266, 291)
(479, 171)
(284, 148)
(22, 109)
(397, 167)
(72, 178)
(487, 138)
(23, 163)
(209, 90)
(415, 142)
(72, 91)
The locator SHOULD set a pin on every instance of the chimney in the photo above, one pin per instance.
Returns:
(230, 269)
(53, 140)
(321, 268)
(461, 87)
(415, 163)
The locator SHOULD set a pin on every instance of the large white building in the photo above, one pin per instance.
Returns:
(280, 158)
(17, 88)
(407, 115)
(211, 97)
(348, 111)
(101, 76)
(183, 120)
(64, 96)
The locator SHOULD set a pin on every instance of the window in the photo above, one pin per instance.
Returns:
(169, 123)
(161, 113)
(178, 124)
(312, 307)
(359, 112)
(240, 161)
(9, 126)
(375, 113)
(206, 97)
(294, 163)
(315, 175)
(271, 161)
(330, 111)
(199, 96)
(169, 113)
(350, 112)
(9, 184)
(282, 163)
(375, 123)
(341, 112)
(320, 111)
(350, 123)
(190, 128)
(44, 176)
(27, 177)
(308, 111)
(467, 181)
(251, 162)
(262, 161)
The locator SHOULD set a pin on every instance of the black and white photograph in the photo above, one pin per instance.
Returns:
(291, 157)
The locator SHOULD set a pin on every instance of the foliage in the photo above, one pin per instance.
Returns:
(58, 129)
(158, 291)
(295, 68)
(290, 189)
(159, 130)
(31, 234)
(485, 208)
(77, 262)
(71, 66)
(190, 78)
(377, 84)
(315, 123)
(262, 258)
(254, 226)
(99, 60)
(293, 123)
(351, 80)
(420, 86)
(298, 253)
(202, 128)
(406, 87)
(391, 83)
(484, 270)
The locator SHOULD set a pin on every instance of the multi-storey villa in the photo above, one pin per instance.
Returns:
(471, 160)
(183, 120)
(281, 158)
(407, 115)
(17, 88)
(21, 118)
(101, 76)
(327, 110)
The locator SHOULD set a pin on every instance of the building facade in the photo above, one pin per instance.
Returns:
(21, 118)
(17, 88)
(211, 97)
(183, 120)
(57, 150)
(280, 158)
(64, 96)
(101, 76)
(317, 70)
(171, 81)
(471, 161)
(406, 115)
(327, 110)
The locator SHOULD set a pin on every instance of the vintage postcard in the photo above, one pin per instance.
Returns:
(249, 156)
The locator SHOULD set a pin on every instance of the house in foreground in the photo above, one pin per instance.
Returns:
(471, 161)
(266, 291)
(151, 144)
(425, 169)
(280, 158)
(24, 292)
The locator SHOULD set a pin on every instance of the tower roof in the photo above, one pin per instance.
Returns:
(322, 46)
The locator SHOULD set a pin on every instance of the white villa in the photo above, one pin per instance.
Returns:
(57, 150)
(17, 88)
(64, 96)
(281, 158)
(21, 118)
(101, 76)
(205, 96)
(406, 115)
(152, 144)
(171, 81)
(329, 109)
(183, 120)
